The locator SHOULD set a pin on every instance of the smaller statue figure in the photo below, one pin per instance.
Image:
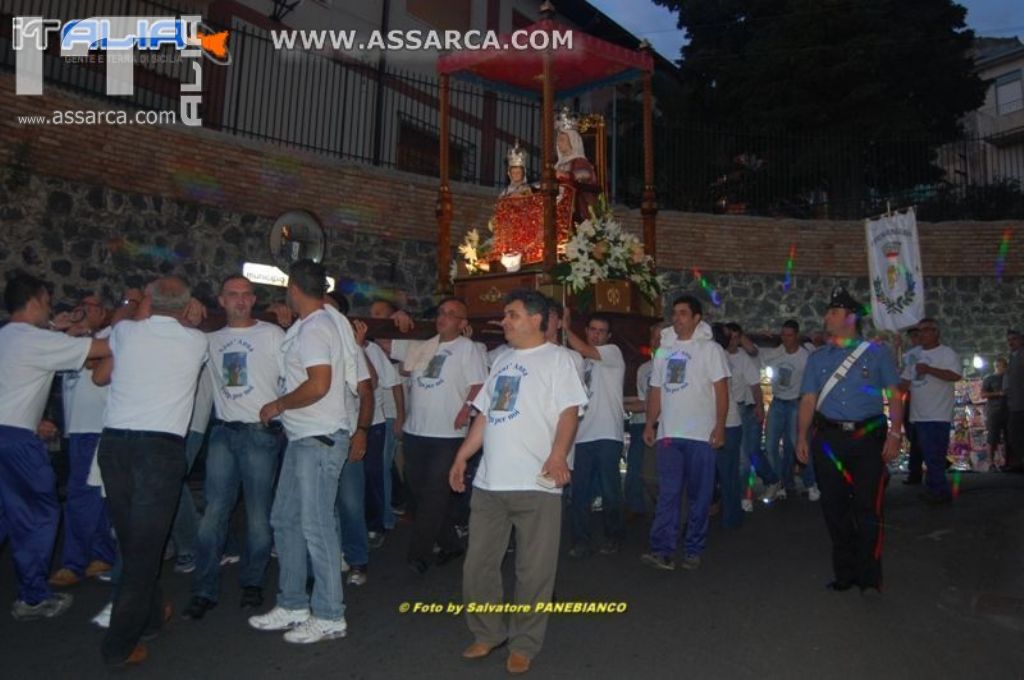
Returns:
(517, 184)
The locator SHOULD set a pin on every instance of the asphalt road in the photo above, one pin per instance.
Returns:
(953, 607)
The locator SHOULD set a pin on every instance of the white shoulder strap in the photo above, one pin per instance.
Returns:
(841, 372)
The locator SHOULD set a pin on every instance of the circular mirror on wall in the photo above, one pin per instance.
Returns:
(296, 235)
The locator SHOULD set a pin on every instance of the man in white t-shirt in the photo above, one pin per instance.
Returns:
(787, 363)
(321, 367)
(742, 425)
(446, 374)
(393, 401)
(389, 384)
(152, 376)
(741, 353)
(915, 461)
(529, 410)
(89, 548)
(243, 453)
(636, 408)
(727, 457)
(931, 379)
(686, 413)
(598, 439)
(30, 355)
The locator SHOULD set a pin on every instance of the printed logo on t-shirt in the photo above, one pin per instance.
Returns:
(675, 372)
(784, 375)
(588, 374)
(910, 360)
(234, 369)
(505, 394)
(431, 377)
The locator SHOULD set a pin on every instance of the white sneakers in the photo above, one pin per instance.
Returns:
(813, 495)
(315, 629)
(279, 618)
(51, 607)
(772, 492)
(302, 628)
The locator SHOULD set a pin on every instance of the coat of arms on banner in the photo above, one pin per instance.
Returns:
(899, 286)
(894, 268)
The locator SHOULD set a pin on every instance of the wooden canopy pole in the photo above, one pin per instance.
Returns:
(443, 207)
(548, 186)
(648, 202)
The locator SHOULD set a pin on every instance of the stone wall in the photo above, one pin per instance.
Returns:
(92, 238)
(973, 312)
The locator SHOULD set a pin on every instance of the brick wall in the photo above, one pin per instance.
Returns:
(234, 174)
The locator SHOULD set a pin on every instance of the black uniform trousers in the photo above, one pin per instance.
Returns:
(852, 477)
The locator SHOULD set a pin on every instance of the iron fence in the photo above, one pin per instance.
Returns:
(375, 113)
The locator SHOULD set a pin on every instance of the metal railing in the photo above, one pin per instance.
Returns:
(704, 169)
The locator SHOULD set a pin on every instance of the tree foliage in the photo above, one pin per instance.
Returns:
(844, 100)
(876, 69)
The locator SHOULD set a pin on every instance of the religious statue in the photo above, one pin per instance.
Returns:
(517, 184)
(573, 169)
(518, 221)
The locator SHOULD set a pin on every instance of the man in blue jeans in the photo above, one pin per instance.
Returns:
(243, 453)
(787, 363)
(599, 438)
(930, 380)
(687, 408)
(322, 371)
(393, 403)
(185, 530)
(740, 353)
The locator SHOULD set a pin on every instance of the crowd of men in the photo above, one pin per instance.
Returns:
(303, 418)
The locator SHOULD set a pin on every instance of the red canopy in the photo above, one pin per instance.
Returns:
(589, 64)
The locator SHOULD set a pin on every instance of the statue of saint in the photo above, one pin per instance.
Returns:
(573, 169)
(517, 184)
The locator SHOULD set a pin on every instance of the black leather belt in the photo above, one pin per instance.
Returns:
(868, 425)
(239, 425)
(140, 434)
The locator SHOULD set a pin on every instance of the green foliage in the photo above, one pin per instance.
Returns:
(828, 93)
(874, 69)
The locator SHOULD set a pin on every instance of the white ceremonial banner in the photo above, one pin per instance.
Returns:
(894, 271)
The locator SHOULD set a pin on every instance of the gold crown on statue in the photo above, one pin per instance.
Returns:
(566, 121)
(516, 156)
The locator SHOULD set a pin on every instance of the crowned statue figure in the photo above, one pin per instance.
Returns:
(517, 184)
(573, 169)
